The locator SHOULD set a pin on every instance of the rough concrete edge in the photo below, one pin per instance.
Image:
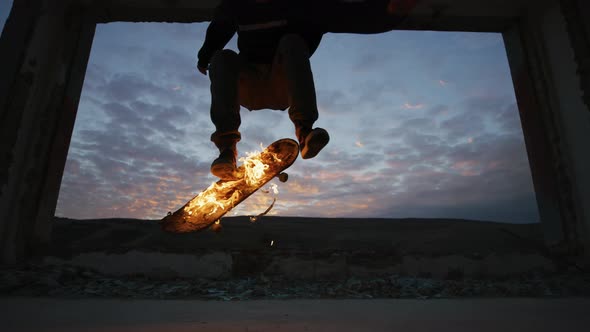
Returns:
(220, 265)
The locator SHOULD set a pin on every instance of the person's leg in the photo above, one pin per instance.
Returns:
(224, 73)
(255, 87)
(293, 58)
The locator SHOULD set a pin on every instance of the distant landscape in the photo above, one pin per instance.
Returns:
(434, 236)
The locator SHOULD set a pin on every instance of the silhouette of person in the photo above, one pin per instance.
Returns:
(272, 71)
(276, 39)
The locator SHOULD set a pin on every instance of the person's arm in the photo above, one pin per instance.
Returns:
(220, 31)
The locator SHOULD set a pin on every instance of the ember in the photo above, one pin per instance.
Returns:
(255, 218)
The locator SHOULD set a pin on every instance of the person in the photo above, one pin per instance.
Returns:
(271, 71)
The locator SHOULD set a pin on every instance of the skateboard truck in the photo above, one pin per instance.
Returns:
(216, 227)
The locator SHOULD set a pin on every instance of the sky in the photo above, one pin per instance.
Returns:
(423, 124)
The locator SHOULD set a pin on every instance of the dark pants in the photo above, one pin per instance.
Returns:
(286, 83)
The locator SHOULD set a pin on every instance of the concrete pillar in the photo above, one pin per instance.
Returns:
(536, 128)
(577, 17)
(566, 38)
(556, 122)
(38, 106)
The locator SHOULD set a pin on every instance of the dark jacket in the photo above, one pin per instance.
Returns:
(260, 26)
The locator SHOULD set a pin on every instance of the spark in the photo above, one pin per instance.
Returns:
(413, 106)
(274, 188)
(255, 218)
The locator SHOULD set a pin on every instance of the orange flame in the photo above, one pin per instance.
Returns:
(215, 197)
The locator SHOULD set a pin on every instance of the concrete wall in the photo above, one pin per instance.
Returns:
(555, 119)
(537, 128)
(39, 99)
(45, 46)
(447, 15)
(574, 114)
(576, 13)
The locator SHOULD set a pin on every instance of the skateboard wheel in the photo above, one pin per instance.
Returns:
(216, 227)
(283, 177)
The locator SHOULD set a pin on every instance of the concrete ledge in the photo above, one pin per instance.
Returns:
(215, 265)
(220, 265)
(303, 248)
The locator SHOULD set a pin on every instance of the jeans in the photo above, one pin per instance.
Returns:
(286, 83)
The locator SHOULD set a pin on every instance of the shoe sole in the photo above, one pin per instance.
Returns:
(224, 171)
(315, 144)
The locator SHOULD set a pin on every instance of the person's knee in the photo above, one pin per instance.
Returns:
(293, 43)
(224, 59)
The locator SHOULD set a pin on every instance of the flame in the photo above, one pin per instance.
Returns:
(254, 169)
(274, 188)
(217, 196)
(209, 200)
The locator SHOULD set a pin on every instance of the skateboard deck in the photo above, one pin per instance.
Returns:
(214, 202)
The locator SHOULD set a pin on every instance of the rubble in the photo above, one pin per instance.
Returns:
(76, 282)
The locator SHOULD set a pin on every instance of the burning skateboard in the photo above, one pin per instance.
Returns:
(214, 202)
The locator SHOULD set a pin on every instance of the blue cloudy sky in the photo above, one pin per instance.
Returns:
(422, 124)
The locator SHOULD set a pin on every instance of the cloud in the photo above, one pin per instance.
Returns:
(177, 68)
(368, 62)
(437, 111)
(429, 168)
(141, 144)
(410, 106)
(463, 125)
(334, 102)
(134, 166)
(508, 119)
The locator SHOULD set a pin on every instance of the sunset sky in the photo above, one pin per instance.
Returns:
(422, 124)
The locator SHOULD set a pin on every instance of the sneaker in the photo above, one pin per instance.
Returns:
(313, 142)
(224, 167)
